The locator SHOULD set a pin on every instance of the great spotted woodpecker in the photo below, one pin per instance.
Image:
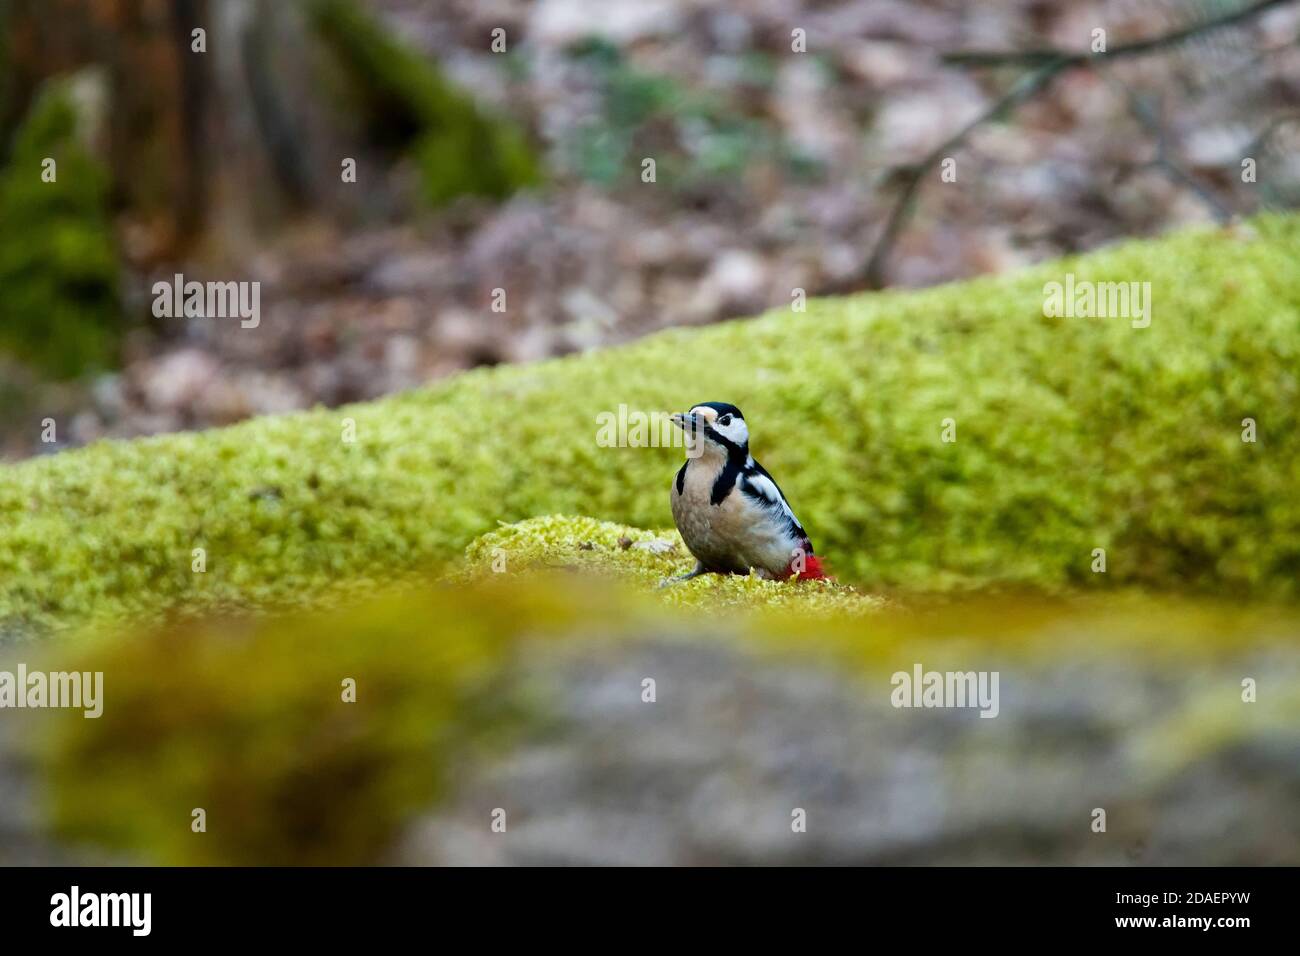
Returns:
(729, 510)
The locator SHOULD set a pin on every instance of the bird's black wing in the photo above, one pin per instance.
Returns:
(762, 487)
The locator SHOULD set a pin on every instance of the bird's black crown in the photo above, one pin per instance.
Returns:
(722, 408)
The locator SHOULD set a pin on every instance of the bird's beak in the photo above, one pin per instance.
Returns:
(685, 421)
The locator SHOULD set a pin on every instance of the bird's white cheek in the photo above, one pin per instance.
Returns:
(736, 432)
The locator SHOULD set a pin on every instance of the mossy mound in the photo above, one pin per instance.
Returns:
(646, 559)
(58, 267)
(1071, 435)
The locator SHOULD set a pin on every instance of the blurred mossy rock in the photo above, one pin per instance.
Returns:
(711, 770)
(58, 265)
(306, 739)
(532, 696)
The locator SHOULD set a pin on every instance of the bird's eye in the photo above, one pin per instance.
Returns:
(724, 420)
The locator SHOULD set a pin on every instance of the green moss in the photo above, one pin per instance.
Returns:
(1072, 434)
(58, 267)
(246, 720)
(249, 721)
(459, 149)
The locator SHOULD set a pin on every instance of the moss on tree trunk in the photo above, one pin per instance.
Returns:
(58, 268)
(409, 105)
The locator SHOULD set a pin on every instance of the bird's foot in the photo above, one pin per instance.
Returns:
(699, 569)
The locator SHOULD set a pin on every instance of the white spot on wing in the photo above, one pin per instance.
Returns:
(767, 488)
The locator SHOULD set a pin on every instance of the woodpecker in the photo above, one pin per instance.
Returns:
(729, 510)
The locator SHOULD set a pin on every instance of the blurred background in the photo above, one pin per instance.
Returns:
(498, 144)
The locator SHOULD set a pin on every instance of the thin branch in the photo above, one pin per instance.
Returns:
(1024, 88)
(1046, 65)
(1260, 141)
(1136, 48)
(1163, 161)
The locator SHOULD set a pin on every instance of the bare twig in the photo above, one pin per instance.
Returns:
(1164, 161)
(1136, 48)
(1026, 87)
(1046, 65)
(1260, 141)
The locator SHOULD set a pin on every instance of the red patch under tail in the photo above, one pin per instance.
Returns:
(813, 569)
